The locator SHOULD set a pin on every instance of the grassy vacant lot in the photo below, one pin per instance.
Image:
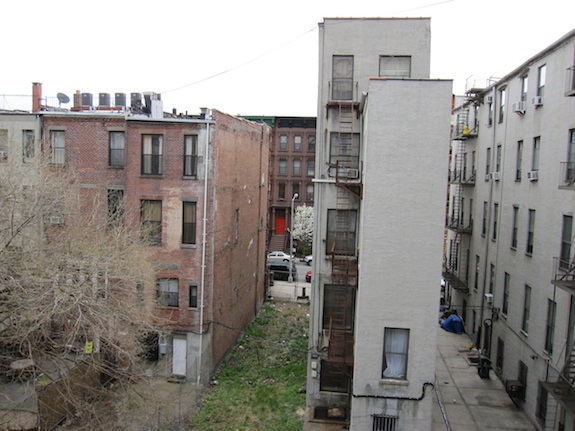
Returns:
(260, 385)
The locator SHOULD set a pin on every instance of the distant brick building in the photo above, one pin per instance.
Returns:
(198, 187)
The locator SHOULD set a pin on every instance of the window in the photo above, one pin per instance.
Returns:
(498, 159)
(117, 150)
(530, 231)
(495, 216)
(189, 223)
(502, 104)
(524, 87)
(570, 172)
(541, 76)
(473, 164)
(491, 278)
(499, 355)
(336, 299)
(311, 168)
(283, 142)
(295, 190)
(28, 147)
(151, 221)
(342, 77)
(526, 309)
(281, 191)
(536, 150)
(522, 374)
(484, 221)
(541, 410)
(491, 108)
(3, 145)
(395, 66)
(566, 239)
(168, 292)
(384, 423)
(297, 143)
(297, 167)
(152, 154)
(311, 143)
(332, 379)
(115, 207)
(344, 150)
(191, 156)
(309, 192)
(341, 227)
(193, 296)
(518, 160)
(514, 227)
(506, 286)
(395, 348)
(476, 282)
(57, 147)
(282, 167)
(487, 163)
(550, 325)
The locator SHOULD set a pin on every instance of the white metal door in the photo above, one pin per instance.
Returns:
(179, 347)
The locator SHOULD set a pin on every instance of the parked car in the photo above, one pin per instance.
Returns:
(278, 256)
(308, 276)
(308, 259)
(281, 270)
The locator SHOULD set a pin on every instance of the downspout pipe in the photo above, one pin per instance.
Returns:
(204, 246)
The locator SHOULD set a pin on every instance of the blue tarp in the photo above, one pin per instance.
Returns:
(453, 323)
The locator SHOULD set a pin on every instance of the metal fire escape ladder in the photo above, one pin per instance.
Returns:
(343, 254)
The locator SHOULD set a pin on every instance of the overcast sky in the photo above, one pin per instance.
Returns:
(250, 57)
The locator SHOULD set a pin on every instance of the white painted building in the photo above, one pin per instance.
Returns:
(509, 258)
(382, 153)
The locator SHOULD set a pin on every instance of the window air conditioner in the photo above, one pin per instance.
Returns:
(352, 173)
(518, 107)
(487, 177)
(3, 155)
(537, 101)
(533, 175)
(489, 100)
(495, 176)
(515, 389)
(56, 220)
(489, 298)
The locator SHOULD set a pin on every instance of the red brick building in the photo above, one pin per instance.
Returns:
(198, 186)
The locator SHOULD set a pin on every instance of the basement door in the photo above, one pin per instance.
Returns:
(179, 348)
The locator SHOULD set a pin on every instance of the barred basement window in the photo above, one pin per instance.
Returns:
(384, 423)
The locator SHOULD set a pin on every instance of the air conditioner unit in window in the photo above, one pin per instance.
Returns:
(515, 389)
(489, 100)
(352, 173)
(487, 177)
(3, 155)
(489, 298)
(537, 101)
(518, 107)
(495, 176)
(533, 175)
(56, 219)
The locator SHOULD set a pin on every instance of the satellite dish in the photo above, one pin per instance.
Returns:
(62, 98)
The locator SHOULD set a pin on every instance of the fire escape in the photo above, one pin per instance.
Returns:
(561, 385)
(456, 222)
(344, 263)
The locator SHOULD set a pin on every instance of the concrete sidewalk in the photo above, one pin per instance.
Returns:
(469, 402)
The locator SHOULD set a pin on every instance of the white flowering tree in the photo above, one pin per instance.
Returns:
(303, 224)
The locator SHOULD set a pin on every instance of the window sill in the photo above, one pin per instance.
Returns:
(393, 382)
(168, 307)
(116, 167)
(189, 246)
(522, 332)
(513, 248)
(190, 177)
(528, 254)
(151, 176)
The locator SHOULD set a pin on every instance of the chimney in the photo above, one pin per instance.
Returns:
(36, 96)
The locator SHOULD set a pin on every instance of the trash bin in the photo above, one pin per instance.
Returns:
(484, 367)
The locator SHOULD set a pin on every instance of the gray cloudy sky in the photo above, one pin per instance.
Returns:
(255, 57)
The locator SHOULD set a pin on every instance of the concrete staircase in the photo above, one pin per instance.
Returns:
(278, 243)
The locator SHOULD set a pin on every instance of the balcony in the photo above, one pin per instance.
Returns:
(570, 82)
(564, 274)
(461, 177)
(451, 276)
(460, 226)
(561, 386)
(567, 170)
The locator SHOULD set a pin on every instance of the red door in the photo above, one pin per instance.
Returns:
(280, 223)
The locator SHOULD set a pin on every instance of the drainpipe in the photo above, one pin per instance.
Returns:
(487, 239)
(204, 236)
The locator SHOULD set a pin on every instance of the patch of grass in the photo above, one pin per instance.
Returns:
(259, 387)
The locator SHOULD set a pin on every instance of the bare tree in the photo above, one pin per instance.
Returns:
(72, 277)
